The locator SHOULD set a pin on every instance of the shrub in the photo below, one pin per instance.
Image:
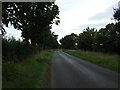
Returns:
(16, 50)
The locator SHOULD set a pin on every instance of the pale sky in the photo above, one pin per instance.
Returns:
(76, 15)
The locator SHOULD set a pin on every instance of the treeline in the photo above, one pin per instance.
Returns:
(35, 20)
(103, 40)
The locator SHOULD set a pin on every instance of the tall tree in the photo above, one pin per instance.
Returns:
(32, 18)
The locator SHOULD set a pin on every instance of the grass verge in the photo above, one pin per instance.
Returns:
(104, 60)
(30, 73)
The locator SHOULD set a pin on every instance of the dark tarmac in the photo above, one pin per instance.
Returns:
(70, 72)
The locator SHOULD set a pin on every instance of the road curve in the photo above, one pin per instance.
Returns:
(70, 72)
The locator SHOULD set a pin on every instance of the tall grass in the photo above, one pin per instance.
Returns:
(30, 73)
(101, 59)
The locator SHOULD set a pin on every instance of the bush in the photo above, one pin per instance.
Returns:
(16, 50)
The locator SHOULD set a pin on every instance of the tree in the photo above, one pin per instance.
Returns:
(86, 39)
(69, 41)
(117, 28)
(31, 18)
(108, 39)
(117, 14)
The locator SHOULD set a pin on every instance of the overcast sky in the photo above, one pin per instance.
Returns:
(76, 15)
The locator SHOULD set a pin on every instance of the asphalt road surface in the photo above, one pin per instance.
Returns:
(70, 72)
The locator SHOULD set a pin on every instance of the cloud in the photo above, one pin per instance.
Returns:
(95, 25)
(107, 13)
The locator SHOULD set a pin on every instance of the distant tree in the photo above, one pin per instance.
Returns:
(87, 39)
(48, 40)
(108, 39)
(103, 38)
(53, 41)
(69, 41)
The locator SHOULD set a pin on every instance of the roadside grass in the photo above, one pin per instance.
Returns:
(101, 59)
(30, 73)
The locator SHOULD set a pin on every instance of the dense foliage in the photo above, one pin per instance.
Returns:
(86, 40)
(34, 19)
(16, 50)
(69, 41)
